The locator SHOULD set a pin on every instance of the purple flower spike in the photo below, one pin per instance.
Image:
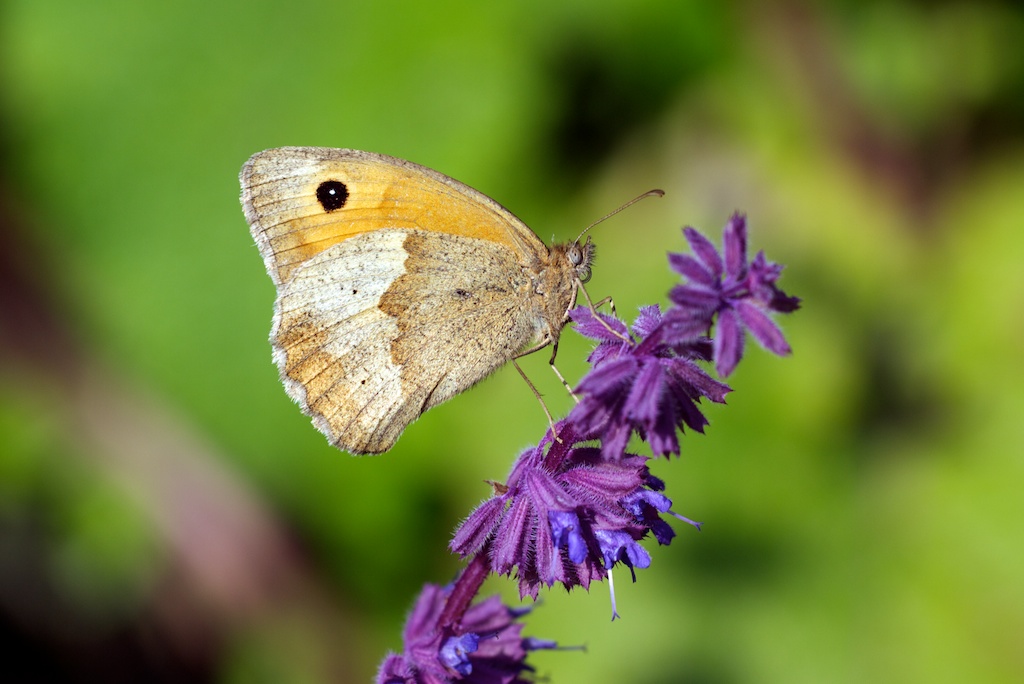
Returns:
(484, 647)
(738, 293)
(567, 515)
(643, 384)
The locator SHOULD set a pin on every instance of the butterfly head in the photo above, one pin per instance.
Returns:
(580, 257)
(568, 269)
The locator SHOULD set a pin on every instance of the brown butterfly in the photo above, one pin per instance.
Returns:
(397, 286)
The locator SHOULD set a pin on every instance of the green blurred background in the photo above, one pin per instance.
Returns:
(168, 515)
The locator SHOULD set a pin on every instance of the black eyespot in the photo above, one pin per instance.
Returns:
(332, 195)
(462, 293)
(355, 292)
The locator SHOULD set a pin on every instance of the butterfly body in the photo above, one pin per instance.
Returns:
(397, 287)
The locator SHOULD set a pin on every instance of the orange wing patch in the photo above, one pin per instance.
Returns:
(300, 201)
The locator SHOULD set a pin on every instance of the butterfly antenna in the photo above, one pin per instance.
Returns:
(650, 193)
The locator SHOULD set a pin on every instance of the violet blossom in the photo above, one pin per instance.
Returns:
(483, 646)
(739, 293)
(640, 381)
(568, 515)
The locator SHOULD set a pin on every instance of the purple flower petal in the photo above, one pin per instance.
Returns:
(728, 343)
(616, 438)
(424, 614)
(696, 381)
(609, 379)
(763, 328)
(565, 529)
(645, 396)
(620, 546)
(691, 269)
(735, 246)
(510, 536)
(661, 435)
(455, 653)
(684, 331)
(589, 325)
(663, 532)
(545, 492)
(603, 483)
(647, 321)
(477, 528)
(635, 502)
(696, 299)
(606, 351)
(547, 564)
(704, 250)
(783, 303)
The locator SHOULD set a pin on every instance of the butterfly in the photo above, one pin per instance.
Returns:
(397, 286)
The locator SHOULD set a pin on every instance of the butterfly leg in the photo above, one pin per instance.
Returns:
(536, 393)
(593, 309)
(610, 302)
(551, 362)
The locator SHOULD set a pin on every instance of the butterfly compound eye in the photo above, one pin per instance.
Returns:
(575, 254)
(332, 195)
(580, 257)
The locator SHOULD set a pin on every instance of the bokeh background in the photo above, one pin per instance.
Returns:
(168, 515)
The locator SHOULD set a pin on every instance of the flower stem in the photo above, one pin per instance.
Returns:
(466, 588)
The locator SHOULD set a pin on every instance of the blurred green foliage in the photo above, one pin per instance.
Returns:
(861, 499)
